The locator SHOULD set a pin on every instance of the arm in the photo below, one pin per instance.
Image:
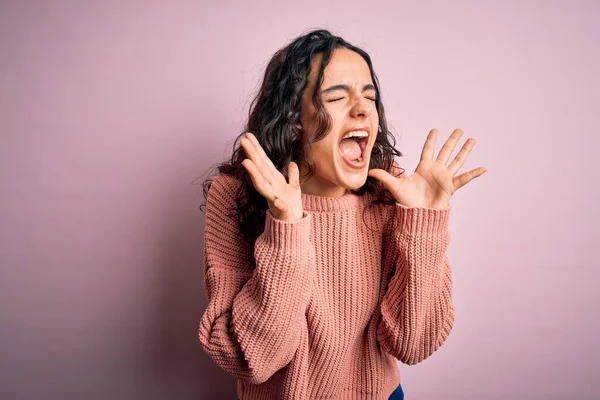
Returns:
(417, 311)
(256, 302)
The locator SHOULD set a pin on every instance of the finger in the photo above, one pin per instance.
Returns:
(463, 179)
(449, 146)
(258, 180)
(293, 174)
(461, 157)
(265, 158)
(383, 176)
(253, 155)
(254, 149)
(429, 146)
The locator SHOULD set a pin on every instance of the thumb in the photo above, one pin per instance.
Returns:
(377, 173)
(383, 176)
(293, 174)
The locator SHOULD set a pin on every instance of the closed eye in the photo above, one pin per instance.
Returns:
(340, 98)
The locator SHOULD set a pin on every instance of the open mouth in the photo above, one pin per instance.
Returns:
(353, 149)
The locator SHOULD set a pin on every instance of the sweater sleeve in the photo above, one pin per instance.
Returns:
(256, 298)
(417, 310)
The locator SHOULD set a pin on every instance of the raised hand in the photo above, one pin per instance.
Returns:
(285, 200)
(433, 182)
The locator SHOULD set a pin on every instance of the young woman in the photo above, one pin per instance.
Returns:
(324, 263)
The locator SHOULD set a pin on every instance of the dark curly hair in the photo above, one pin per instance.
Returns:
(274, 118)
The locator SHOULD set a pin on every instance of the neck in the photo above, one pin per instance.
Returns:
(321, 187)
(318, 186)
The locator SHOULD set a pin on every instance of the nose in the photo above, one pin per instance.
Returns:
(362, 107)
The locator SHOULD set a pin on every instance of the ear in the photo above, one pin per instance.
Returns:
(397, 171)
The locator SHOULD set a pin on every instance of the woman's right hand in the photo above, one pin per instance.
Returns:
(285, 200)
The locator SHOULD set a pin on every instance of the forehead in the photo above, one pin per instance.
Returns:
(345, 66)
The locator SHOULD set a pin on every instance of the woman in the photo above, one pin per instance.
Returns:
(318, 283)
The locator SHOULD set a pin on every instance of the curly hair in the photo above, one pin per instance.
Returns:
(274, 118)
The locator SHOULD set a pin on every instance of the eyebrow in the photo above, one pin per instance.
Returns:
(369, 86)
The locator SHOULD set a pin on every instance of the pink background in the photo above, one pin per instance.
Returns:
(112, 112)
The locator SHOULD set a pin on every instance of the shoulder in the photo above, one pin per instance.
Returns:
(224, 186)
(221, 196)
(224, 181)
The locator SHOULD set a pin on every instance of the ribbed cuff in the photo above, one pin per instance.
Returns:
(287, 235)
(421, 221)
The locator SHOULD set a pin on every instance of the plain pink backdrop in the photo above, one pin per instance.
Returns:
(111, 112)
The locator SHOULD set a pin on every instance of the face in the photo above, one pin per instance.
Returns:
(348, 96)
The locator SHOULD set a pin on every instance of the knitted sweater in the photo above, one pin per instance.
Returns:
(322, 307)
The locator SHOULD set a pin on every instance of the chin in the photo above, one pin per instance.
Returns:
(356, 181)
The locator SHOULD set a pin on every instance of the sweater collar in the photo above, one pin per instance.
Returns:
(311, 202)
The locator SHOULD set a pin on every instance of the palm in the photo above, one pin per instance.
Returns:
(433, 182)
(284, 199)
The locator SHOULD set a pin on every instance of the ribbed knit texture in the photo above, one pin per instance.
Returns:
(322, 307)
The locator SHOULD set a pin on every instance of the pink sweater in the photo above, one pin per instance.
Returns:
(323, 307)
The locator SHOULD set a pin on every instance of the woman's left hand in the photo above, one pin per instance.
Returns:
(433, 182)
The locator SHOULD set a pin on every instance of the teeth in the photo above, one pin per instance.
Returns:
(355, 134)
